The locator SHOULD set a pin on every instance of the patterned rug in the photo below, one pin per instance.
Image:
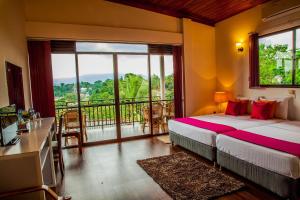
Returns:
(184, 177)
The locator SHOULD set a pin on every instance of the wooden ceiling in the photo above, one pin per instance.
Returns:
(204, 11)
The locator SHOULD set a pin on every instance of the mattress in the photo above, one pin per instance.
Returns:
(209, 137)
(270, 159)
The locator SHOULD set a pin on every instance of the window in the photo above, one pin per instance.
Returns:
(109, 84)
(110, 47)
(279, 59)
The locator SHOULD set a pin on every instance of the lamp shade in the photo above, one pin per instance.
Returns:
(220, 97)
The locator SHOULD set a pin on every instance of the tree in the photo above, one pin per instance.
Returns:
(169, 82)
(275, 64)
(130, 86)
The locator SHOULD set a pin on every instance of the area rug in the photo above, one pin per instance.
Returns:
(184, 177)
(164, 138)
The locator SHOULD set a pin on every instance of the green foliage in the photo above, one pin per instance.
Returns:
(100, 95)
(297, 75)
(63, 89)
(132, 86)
(169, 84)
(275, 65)
(102, 91)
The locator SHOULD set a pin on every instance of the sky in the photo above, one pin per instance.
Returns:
(110, 47)
(63, 65)
(282, 38)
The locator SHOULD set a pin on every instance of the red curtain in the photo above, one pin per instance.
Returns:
(178, 100)
(41, 77)
(253, 61)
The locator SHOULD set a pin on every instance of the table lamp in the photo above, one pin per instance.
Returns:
(220, 97)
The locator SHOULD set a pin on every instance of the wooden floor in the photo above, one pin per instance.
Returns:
(111, 172)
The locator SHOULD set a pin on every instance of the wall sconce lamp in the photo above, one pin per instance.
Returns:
(239, 47)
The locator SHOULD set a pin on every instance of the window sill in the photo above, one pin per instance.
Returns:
(275, 86)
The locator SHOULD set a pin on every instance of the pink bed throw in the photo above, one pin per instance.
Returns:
(218, 128)
(272, 143)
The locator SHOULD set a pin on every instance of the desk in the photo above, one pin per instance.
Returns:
(30, 162)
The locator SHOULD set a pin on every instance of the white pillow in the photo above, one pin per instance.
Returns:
(282, 106)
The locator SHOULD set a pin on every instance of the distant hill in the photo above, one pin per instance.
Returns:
(91, 78)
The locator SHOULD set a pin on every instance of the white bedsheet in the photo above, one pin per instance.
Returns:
(209, 137)
(270, 159)
(288, 125)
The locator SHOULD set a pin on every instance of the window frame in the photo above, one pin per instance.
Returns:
(293, 85)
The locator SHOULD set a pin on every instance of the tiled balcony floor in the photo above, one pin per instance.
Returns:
(109, 132)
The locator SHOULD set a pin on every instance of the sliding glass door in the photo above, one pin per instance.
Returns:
(134, 95)
(64, 83)
(120, 90)
(97, 96)
(162, 88)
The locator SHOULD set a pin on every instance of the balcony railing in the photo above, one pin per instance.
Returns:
(101, 113)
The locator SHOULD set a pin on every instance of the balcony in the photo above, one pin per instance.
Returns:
(100, 117)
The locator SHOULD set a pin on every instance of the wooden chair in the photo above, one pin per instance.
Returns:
(72, 122)
(72, 126)
(57, 147)
(44, 188)
(157, 116)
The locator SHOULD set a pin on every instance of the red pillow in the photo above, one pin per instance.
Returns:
(233, 108)
(273, 103)
(244, 107)
(261, 110)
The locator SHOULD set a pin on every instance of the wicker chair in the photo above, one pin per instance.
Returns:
(169, 111)
(72, 127)
(157, 116)
(72, 122)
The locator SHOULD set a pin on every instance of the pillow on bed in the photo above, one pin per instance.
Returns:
(282, 108)
(281, 111)
(273, 105)
(249, 104)
(244, 107)
(233, 108)
(261, 110)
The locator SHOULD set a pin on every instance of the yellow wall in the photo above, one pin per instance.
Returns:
(13, 45)
(98, 13)
(99, 33)
(210, 58)
(99, 20)
(200, 68)
(119, 23)
(232, 67)
(105, 21)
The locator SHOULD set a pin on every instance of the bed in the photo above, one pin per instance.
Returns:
(274, 169)
(203, 141)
